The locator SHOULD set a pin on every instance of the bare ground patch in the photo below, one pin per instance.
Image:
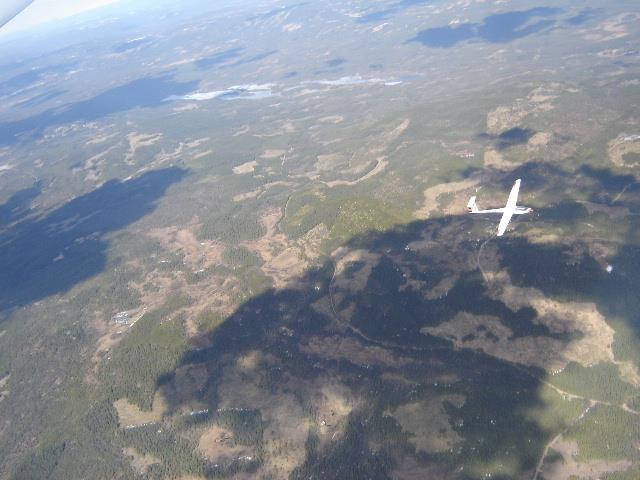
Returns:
(4, 391)
(140, 462)
(247, 195)
(285, 259)
(137, 141)
(360, 264)
(215, 294)
(540, 99)
(569, 468)
(429, 424)
(329, 162)
(197, 254)
(332, 119)
(285, 426)
(381, 164)
(92, 167)
(272, 153)
(332, 402)
(408, 468)
(360, 161)
(246, 167)
(259, 191)
(188, 383)
(347, 348)
(218, 445)
(101, 139)
(202, 154)
(494, 159)
(617, 27)
(615, 211)
(131, 415)
(291, 27)
(504, 118)
(430, 204)
(594, 347)
(539, 140)
(623, 145)
(489, 334)
(109, 335)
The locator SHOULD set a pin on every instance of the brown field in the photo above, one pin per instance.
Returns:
(568, 468)
(131, 415)
(620, 146)
(218, 446)
(337, 347)
(285, 423)
(593, 347)
(428, 423)
(246, 167)
(197, 254)
(430, 204)
(140, 462)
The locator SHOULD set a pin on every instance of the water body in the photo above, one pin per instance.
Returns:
(498, 28)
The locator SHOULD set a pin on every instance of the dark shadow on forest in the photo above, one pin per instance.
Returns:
(47, 255)
(142, 93)
(232, 58)
(40, 99)
(332, 65)
(509, 138)
(220, 57)
(28, 78)
(18, 205)
(335, 62)
(498, 28)
(387, 315)
(252, 59)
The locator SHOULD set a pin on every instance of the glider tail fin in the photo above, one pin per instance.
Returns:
(471, 206)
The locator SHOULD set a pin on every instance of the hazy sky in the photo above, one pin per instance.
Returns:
(41, 11)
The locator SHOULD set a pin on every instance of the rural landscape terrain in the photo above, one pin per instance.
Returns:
(234, 242)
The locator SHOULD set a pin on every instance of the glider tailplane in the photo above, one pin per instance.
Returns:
(471, 206)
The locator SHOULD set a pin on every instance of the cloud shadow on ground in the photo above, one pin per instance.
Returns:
(146, 92)
(372, 342)
(509, 138)
(47, 255)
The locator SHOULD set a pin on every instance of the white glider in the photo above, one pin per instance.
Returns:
(507, 212)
